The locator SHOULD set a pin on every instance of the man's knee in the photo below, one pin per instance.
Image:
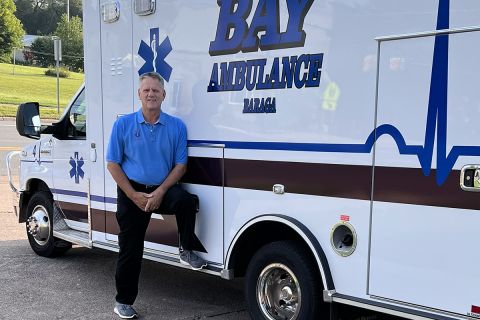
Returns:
(183, 200)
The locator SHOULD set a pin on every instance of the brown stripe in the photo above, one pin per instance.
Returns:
(397, 185)
(158, 231)
(206, 171)
(163, 231)
(111, 224)
(98, 220)
(407, 185)
(74, 211)
(329, 180)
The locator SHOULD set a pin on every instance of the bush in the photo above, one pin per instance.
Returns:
(62, 72)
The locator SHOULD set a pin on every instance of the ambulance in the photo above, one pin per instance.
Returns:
(333, 144)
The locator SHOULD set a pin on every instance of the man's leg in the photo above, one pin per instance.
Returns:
(184, 206)
(181, 203)
(133, 224)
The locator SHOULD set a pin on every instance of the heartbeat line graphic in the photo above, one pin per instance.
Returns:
(437, 113)
(435, 128)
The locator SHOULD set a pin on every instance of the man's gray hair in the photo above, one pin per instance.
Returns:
(153, 75)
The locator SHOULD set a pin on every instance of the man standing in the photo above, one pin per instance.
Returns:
(147, 156)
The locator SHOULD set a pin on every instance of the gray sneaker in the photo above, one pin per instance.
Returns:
(188, 258)
(125, 311)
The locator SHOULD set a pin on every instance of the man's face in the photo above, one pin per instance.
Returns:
(151, 94)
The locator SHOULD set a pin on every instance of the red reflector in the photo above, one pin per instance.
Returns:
(476, 309)
(347, 218)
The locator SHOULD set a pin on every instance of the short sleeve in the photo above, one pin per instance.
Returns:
(181, 155)
(115, 145)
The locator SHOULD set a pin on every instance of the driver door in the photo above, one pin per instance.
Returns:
(71, 167)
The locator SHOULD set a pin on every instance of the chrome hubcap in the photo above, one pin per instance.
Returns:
(278, 292)
(38, 225)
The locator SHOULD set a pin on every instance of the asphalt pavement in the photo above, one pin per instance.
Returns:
(80, 284)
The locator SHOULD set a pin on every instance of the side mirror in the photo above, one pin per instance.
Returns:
(28, 120)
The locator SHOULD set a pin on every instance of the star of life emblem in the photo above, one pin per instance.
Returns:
(154, 55)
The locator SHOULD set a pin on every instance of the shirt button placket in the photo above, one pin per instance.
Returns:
(152, 132)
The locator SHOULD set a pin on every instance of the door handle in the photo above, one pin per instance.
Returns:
(470, 178)
(93, 152)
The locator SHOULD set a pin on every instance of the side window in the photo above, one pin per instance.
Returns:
(78, 118)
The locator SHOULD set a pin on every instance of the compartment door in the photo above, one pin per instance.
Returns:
(424, 226)
(118, 94)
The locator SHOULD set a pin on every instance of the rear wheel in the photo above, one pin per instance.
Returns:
(39, 227)
(282, 283)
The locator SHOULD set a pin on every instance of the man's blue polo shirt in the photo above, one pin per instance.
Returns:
(147, 152)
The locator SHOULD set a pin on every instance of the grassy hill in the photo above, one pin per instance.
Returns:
(31, 84)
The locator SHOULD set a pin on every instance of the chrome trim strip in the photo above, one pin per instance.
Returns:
(9, 171)
(166, 258)
(442, 313)
(207, 145)
(89, 211)
(391, 309)
(427, 34)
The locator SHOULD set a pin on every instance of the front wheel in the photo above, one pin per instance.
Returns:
(39, 227)
(282, 283)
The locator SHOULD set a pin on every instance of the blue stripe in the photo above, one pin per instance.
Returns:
(70, 193)
(85, 195)
(315, 147)
(103, 199)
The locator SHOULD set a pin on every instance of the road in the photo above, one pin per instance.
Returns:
(80, 285)
(10, 140)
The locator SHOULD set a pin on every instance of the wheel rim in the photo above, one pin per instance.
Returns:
(278, 292)
(38, 225)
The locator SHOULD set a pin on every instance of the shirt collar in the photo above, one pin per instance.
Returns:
(141, 119)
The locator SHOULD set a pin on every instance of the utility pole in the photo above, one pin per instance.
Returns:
(57, 50)
(68, 10)
(14, 56)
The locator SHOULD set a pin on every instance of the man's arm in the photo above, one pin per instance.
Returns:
(173, 177)
(139, 198)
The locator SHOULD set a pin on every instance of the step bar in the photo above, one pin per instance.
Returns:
(62, 231)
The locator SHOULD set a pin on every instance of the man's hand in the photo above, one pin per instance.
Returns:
(154, 200)
(140, 199)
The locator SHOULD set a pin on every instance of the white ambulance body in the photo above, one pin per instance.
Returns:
(333, 145)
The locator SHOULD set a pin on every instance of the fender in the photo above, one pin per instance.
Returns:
(302, 231)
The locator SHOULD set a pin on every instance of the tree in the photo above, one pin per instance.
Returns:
(42, 51)
(40, 17)
(11, 30)
(71, 34)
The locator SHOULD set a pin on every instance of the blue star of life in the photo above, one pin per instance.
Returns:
(76, 170)
(154, 55)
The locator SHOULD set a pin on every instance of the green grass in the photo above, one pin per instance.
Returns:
(31, 84)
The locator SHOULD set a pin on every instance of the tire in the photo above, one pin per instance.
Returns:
(283, 276)
(39, 227)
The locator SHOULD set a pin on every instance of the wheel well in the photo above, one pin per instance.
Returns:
(32, 186)
(259, 235)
